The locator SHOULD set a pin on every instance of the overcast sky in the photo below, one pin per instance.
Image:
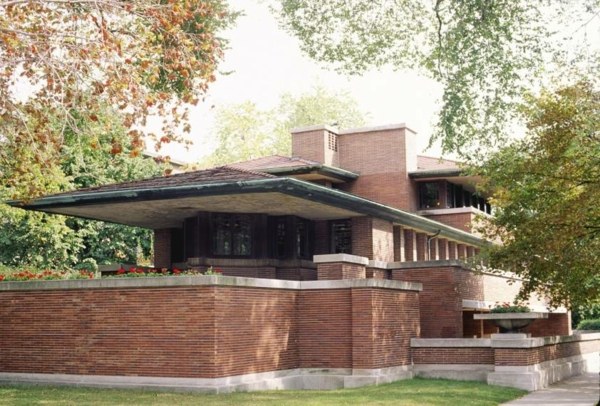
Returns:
(265, 62)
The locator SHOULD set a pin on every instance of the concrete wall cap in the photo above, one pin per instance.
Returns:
(347, 258)
(378, 264)
(399, 126)
(506, 316)
(428, 264)
(205, 280)
(317, 127)
(362, 283)
(449, 342)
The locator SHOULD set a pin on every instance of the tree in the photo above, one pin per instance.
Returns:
(141, 58)
(243, 131)
(40, 240)
(485, 53)
(546, 188)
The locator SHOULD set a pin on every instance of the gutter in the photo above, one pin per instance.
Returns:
(289, 186)
(325, 170)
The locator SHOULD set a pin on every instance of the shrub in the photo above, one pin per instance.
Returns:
(585, 313)
(591, 324)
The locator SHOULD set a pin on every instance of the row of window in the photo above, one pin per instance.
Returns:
(247, 236)
(443, 194)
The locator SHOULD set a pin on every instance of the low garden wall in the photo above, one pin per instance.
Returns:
(508, 359)
(213, 333)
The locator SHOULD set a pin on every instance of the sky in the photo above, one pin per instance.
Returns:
(265, 62)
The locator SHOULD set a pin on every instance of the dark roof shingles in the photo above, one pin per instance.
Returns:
(213, 175)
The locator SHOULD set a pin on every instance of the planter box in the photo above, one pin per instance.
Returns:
(511, 322)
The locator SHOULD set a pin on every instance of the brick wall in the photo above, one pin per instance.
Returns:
(202, 331)
(146, 332)
(455, 355)
(309, 145)
(162, 248)
(388, 184)
(381, 335)
(325, 337)
(297, 274)
(372, 238)
(462, 221)
(255, 330)
(444, 288)
(557, 324)
(340, 270)
(536, 355)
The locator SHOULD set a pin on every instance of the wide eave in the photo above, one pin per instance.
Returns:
(153, 206)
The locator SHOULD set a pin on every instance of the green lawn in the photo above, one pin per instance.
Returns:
(407, 392)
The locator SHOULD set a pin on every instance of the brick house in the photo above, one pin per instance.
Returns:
(355, 242)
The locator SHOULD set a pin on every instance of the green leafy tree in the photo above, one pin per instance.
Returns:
(243, 131)
(50, 241)
(485, 53)
(546, 188)
(69, 59)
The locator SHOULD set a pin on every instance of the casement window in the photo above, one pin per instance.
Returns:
(231, 235)
(341, 237)
(291, 237)
(442, 194)
(429, 195)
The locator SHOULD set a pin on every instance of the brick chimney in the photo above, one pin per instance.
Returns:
(316, 143)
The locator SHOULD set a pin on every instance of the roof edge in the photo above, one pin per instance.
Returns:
(290, 186)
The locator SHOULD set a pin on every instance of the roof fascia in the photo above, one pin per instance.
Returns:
(290, 186)
(324, 170)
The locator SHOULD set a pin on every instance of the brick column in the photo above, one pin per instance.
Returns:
(340, 266)
(410, 245)
(399, 244)
(162, 248)
(421, 247)
(452, 250)
(462, 251)
(372, 238)
(470, 251)
(434, 254)
(443, 249)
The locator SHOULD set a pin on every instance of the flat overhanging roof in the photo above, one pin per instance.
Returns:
(167, 206)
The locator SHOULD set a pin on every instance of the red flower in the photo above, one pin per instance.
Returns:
(218, 270)
(121, 271)
(1, 277)
(176, 271)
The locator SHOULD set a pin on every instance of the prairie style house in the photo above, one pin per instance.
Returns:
(334, 259)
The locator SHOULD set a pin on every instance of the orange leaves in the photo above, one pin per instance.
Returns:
(138, 57)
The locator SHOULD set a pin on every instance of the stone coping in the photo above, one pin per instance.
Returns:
(454, 210)
(346, 258)
(427, 264)
(206, 280)
(450, 342)
(511, 316)
(500, 343)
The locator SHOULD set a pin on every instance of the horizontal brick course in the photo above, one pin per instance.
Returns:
(203, 331)
(453, 356)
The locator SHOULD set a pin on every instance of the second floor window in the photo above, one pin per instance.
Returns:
(429, 195)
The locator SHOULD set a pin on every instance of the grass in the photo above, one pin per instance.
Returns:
(407, 392)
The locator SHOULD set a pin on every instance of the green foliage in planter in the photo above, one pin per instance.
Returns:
(510, 308)
(593, 324)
